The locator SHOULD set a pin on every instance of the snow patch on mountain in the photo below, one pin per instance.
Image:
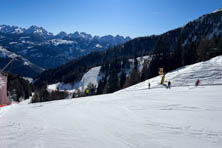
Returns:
(90, 77)
(28, 79)
(57, 42)
(11, 43)
(70, 87)
(98, 46)
(218, 10)
(185, 42)
(38, 31)
(26, 63)
(18, 30)
(140, 61)
(4, 53)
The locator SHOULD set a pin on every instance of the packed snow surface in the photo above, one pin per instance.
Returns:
(158, 118)
(137, 117)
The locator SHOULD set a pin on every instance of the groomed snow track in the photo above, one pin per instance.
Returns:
(182, 117)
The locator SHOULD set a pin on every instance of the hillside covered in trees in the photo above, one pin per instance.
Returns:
(199, 40)
(19, 88)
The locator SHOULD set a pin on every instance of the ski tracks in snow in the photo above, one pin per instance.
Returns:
(158, 118)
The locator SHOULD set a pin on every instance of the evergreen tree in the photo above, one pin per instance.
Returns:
(113, 82)
(101, 85)
(17, 85)
(127, 82)
(135, 63)
(122, 79)
(144, 72)
(134, 77)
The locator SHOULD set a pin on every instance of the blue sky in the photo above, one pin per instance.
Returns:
(101, 17)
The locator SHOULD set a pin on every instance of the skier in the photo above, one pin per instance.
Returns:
(87, 92)
(149, 85)
(169, 84)
(92, 90)
(197, 82)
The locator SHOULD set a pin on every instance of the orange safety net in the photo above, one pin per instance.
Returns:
(2, 105)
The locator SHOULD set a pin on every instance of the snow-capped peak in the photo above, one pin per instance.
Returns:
(80, 35)
(11, 29)
(19, 30)
(3, 28)
(34, 28)
(62, 34)
(218, 10)
(38, 30)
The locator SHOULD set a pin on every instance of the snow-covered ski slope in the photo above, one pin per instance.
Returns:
(208, 72)
(182, 117)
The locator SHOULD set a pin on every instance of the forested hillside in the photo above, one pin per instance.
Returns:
(19, 88)
(199, 40)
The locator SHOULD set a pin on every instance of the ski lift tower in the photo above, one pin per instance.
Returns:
(3, 86)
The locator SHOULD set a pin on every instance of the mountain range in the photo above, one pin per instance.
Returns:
(39, 49)
(198, 40)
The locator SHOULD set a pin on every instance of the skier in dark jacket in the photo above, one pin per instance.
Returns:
(197, 83)
(169, 84)
(149, 85)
